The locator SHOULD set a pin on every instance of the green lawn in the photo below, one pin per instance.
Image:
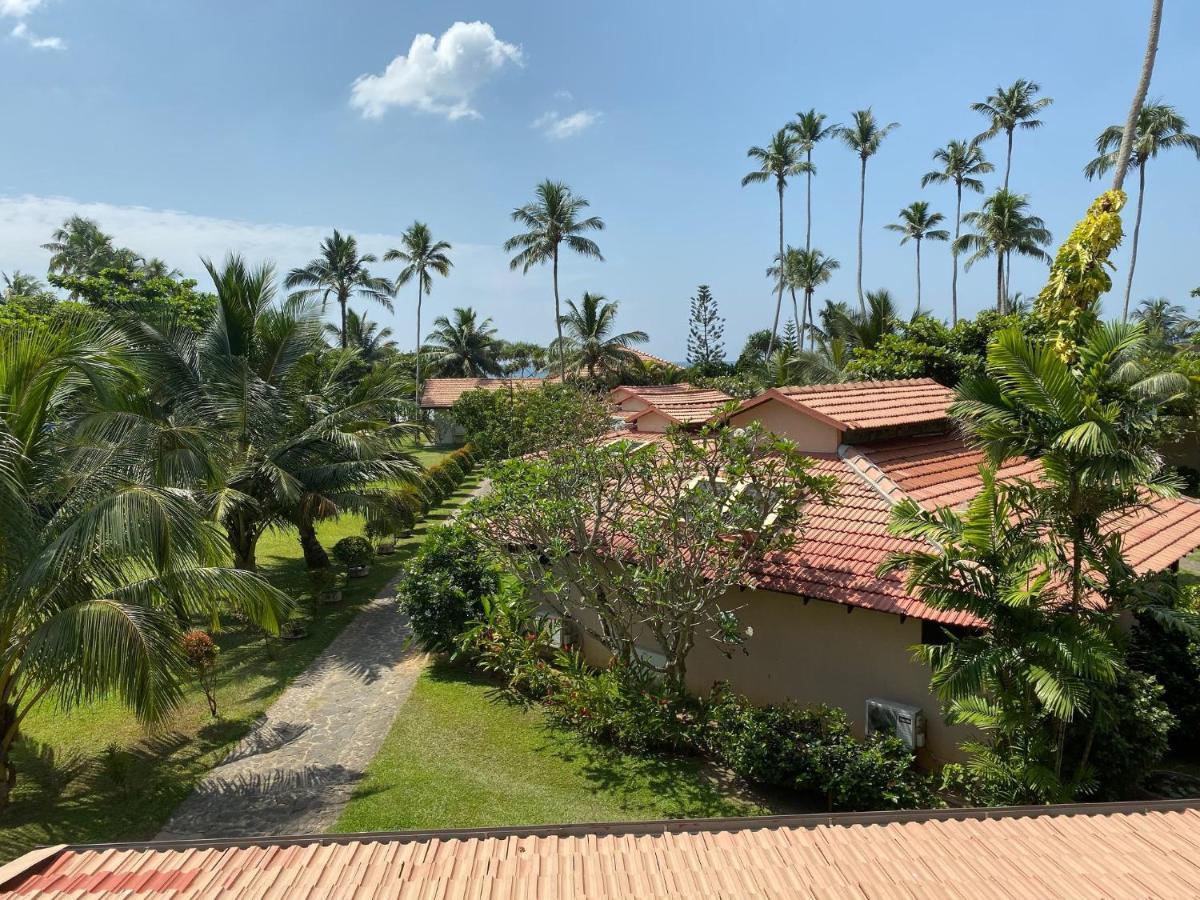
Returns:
(95, 774)
(459, 755)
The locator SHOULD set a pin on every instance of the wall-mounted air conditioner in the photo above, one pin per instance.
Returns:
(904, 721)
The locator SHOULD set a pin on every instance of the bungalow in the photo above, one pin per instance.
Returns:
(655, 408)
(1080, 851)
(852, 648)
(439, 394)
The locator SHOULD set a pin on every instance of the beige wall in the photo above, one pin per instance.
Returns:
(632, 404)
(811, 435)
(653, 423)
(819, 653)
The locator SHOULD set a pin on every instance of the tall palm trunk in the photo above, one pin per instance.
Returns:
(343, 297)
(315, 556)
(1008, 161)
(808, 202)
(796, 319)
(862, 200)
(954, 257)
(562, 358)
(1000, 282)
(918, 312)
(812, 321)
(418, 387)
(779, 294)
(243, 541)
(1139, 97)
(10, 730)
(803, 322)
(1137, 227)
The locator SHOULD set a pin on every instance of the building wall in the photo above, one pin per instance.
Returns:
(819, 653)
(809, 434)
(653, 423)
(632, 404)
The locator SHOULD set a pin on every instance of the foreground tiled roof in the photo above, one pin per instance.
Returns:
(1118, 851)
(684, 407)
(943, 471)
(440, 393)
(871, 404)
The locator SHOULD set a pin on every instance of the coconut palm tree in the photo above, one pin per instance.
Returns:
(422, 257)
(365, 336)
(591, 345)
(79, 248)
(340, 272)
(779, 160)
(553, 219)
(918, 224)
(462, 347)
(961, 163)
(1011, 108)
(864, 137)
(1139, 96)
(810, 129)
(1003, 227)
(21, 284)
(106, 554)
(805, 270)
(862, 329)
(826, 363)
(1159, 128)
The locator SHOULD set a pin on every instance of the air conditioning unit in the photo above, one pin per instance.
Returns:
(904, 721)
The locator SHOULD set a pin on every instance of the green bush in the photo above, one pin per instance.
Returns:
(353, 551)
(511, 642)
(443, 587)
(1174, 661)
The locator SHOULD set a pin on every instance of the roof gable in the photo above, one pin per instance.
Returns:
(441, 393)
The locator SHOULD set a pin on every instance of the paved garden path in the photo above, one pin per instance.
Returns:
(296, 770)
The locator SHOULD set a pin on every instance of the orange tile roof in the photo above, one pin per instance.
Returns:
(625, 391)
(855, 405)
(440, 393)
(684, 407)
(941, 470)
(1080, 851)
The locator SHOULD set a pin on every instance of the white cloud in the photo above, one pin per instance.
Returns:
(18, 8)
(439, 75)
(22, 33)
(557, 127)
(564, 95)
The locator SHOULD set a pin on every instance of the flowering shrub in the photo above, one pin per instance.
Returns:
(510, 641)
(201, 651)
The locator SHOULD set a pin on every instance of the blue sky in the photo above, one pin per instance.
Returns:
(195, 126)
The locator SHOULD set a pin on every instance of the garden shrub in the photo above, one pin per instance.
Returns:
(443, 587)
(201, 652)
(353, 551)
(512, 642)
(1173, 659)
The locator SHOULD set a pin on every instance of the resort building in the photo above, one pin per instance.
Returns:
(655, 408)
(827, 628)
(1079, 852)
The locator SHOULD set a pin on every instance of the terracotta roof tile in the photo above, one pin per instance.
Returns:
(873, 404)
(1121, 850)
(685, 407)
(440, 393)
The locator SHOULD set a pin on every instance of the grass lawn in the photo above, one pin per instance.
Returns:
(95, 774)
(459, 756)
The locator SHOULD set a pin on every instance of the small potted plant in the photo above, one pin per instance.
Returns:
(325, 585)
(355, 553)
(295, 627)
(381, 530)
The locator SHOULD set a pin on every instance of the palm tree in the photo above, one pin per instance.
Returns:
(514, 357)
(861, 329)
(918, 224)
(590, 342)
(105, 554)
(21, 284)
(779, 160)
(365, 336)
(1003, 227)
(864, 138)
(1139, 96)
(79, 248)
(553, 219)
(809, 130)
(826, 363)
(1165, 322)
(340, 272)
(1159, 128)
(1011, 108)
(961, 163)
(422, 257)
(805, 270)
(463, 347)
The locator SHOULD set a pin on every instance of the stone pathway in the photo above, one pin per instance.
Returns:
(296, 770)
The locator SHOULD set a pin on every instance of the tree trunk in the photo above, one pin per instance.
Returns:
(343, 296)
(244, 542)
(779, 293)
(1137, 227)
(808, 203)
(418, 380)
(918, 310)
(1000, 283)
(1008, 162)
(804, 319)
(315, 556)
(862, 200)
(9, 731)
(812, 320)
(954, 257)
(562, 358)
(796, 319)
(1139, 97)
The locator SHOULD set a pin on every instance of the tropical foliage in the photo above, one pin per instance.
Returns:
(340, 272)
(589, 344)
